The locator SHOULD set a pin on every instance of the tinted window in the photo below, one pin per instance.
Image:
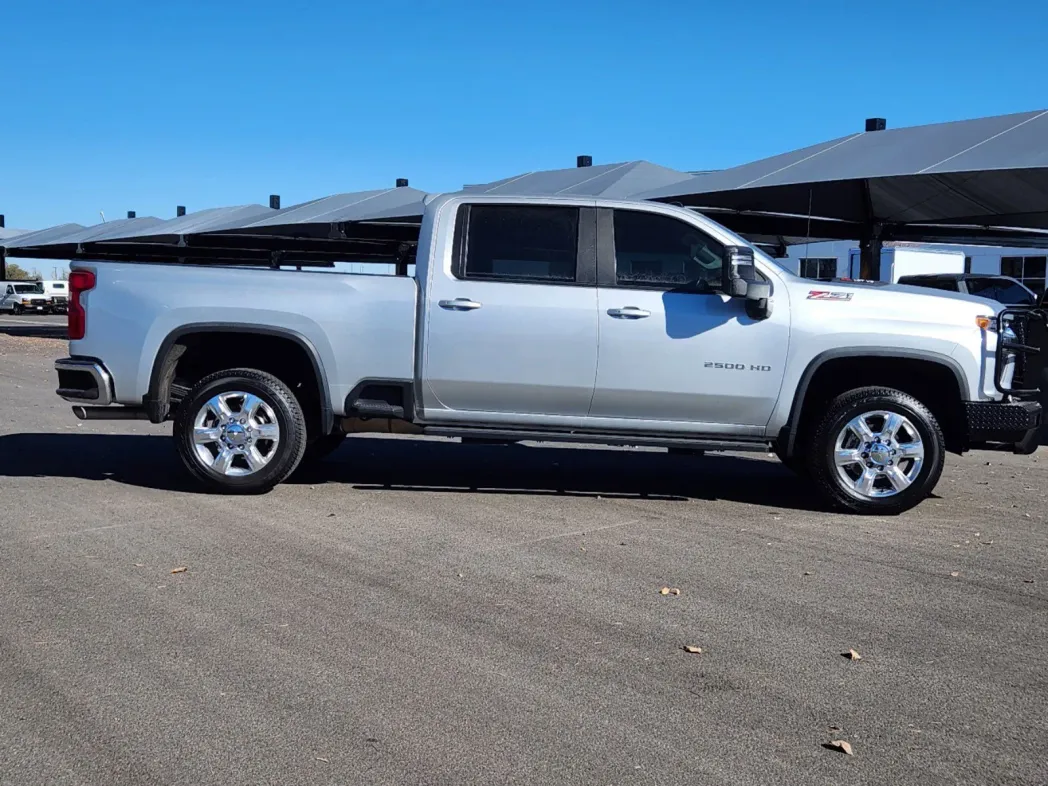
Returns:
(819, 268)
(662, 252)
(507, 242)
(10, 289)
(947, 284)
(29, 289)
(58, 286)
(1001, 290)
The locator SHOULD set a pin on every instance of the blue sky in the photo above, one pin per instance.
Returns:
(118, 105)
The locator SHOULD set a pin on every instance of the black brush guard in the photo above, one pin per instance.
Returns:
(1027, 324)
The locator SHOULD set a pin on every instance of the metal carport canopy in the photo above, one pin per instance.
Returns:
(983, 180)
(613, 181)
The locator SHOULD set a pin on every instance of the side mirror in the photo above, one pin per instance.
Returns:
(739, 270)
(758, 299)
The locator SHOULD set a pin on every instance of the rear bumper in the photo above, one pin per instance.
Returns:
(84, 380)
(1014, 424)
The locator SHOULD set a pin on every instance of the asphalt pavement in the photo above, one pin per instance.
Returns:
(425, 612)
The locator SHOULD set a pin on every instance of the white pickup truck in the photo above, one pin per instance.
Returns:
(555, 319)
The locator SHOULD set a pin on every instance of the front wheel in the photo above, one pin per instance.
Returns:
(877, 451)
(240, 431)
(18, 311)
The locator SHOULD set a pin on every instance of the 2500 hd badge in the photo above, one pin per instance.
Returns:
(736, 366)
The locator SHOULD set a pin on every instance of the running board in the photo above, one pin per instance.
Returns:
(634, 440)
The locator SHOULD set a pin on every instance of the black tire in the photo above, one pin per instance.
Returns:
(289, 417)
(821, 454)
(322, 447)
(18, 311)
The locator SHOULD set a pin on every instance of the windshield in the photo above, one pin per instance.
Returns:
(29, 289)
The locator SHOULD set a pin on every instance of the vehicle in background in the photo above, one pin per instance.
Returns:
(20, 297)
(1003, 289)
(57, 293)
(554, 319)
(902, 261)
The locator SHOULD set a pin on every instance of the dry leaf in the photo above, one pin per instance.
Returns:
(675, 591)
(664, 591)
(955, 573)
(841, 745)
(987, 542)
(1027, 581)
(834, 728)
(852, 655)
(183, 569)
(321, 758)
(693, 650)
(807, 573)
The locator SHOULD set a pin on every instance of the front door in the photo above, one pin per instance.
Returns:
(511, 331)
(674, 353)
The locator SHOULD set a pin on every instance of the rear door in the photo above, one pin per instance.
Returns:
(511, 330)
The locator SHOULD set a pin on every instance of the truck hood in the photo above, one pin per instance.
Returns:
(893, 301)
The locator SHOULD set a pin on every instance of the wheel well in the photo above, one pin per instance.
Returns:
(933, 384)
(192, 356)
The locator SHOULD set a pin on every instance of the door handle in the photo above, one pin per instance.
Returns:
(629, 312)
(459, 304)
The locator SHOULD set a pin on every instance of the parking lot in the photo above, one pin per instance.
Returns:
(430, 612)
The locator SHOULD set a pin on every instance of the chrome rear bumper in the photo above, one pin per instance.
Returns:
(82, 380)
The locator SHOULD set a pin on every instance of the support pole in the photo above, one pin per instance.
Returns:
(870, 253)
(3, 264)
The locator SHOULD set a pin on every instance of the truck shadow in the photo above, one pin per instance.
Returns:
(431, 466)
(30, 330)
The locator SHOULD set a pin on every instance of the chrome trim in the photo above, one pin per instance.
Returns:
(103, 381)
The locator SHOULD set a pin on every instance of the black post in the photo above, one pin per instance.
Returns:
(274, 201)
(2, 219)
(583, 161)
(402, 182)
(3, 264)
(876, 124)
(180, 210)
(130, 213)
(870, 253)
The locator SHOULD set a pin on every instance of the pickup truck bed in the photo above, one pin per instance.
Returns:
(355, 325)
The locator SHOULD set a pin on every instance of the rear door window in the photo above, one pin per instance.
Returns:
(522, 243)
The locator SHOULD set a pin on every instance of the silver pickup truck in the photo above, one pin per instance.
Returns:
(555, 319)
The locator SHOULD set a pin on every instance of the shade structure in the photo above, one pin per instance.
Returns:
(319, 231)
(6, 233)
(983, 180)
(317, 217)
(208, 220)
(612, 181)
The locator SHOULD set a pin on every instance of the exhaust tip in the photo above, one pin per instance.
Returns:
(80, 412)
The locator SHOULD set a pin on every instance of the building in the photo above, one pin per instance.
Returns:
(830, 259)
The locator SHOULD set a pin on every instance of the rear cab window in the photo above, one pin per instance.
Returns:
(518, 243)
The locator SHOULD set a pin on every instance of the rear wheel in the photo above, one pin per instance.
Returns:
(240, 431)
(876, 451)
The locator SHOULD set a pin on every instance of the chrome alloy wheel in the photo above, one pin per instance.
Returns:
(235, 433)
(878, 454)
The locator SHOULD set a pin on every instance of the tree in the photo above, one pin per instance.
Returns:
(18, 273)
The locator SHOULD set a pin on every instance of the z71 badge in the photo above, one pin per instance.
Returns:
(822, 294)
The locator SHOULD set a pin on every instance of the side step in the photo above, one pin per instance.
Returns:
(634, 440)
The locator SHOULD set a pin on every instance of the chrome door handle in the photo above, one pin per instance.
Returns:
(629, 312)
(459, 304)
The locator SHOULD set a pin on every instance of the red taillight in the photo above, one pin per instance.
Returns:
(79, 282)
